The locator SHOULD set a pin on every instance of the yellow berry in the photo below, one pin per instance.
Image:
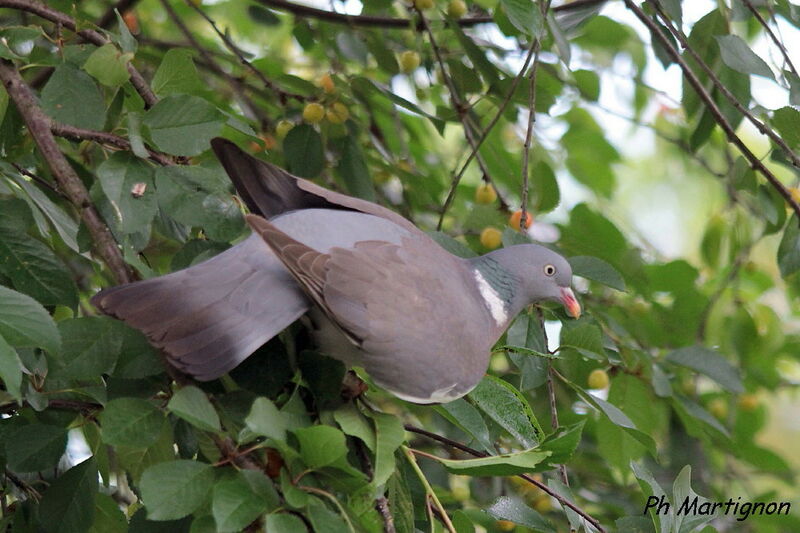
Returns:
(748, 402)
(409, 61)
(313, 113)
(326, 82)
(456, 8)
(505, 525)
(598, 379)
(337, 113)
(516, 217)
(491, 238)
(460, 494)
(282, 128)
(719, 408)
(485, 194)
(795, 191)
(423, 4)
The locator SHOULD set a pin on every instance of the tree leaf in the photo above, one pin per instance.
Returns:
(787, 122)
(506, 406)
(709, 363)
(545, 193)
(108, 65)
(72, 97)
(192, 404)
(68, 504)
(108, 518)
(389, 435)
(789, 248)
(183, 124)
(127, 183)
(596, 269)
(89, 346)
(507, 464)
(283, 523)
(514, 510)
(464, 415)
(175, 489)
(176, 74)
(303, 150)
(131, 422)
(234, 504)
(738, 56)
(321, 446)
(35, 270)
(10, 369)
(25, 323)
(265, 419)
(35, 447)
(353, 169)
(525, 16)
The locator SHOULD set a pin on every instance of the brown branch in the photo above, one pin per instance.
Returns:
(526, 146)
(110, 16)
(678, 33)
(393, 22)
(772, 35)
(476, 453)
(68, 181)
(283, 95)
(92, 36)
(79, 134)
(715, 111)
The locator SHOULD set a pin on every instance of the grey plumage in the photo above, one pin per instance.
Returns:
(384, 295)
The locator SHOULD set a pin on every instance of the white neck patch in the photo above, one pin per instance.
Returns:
(494, 303)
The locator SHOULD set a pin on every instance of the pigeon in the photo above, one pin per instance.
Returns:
(380, 293)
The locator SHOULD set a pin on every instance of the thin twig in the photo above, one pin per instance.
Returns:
(544, 488)
(526, 146)
(712, 106)
(102, 137)
(763, 128)
(38, 179)
(283, 95)
(772, 35)
(92, 36)
(409, 453)
(68, 181)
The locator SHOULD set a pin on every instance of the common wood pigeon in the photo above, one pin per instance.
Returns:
(380, 292)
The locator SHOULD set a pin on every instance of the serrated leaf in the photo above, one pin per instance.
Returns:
(303, 150)
(787, 122)
(175, 489)
(25, 323)
(183, 124)
(89, 346)
(738, 56)
(585, 337)
(506, 406)
(131, 422)
(507, 464)
(72, 97)
(108, 65)
(525, 16)
(127, 183)
(192, 404)
(464, 415)
(265, 419)
(35, 270)
(68, 504)
(515, 510)
(596, 269)
(234, 504)
(709, 363)
(176, 74)
(35, 447)
(321, 446)
(389, 435)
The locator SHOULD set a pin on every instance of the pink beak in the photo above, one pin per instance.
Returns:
(570, 302)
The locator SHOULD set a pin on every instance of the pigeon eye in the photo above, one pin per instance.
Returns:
(549, 270)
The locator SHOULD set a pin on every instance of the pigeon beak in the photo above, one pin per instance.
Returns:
(570, 302)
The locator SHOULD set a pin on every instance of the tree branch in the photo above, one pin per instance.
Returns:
(68, 181)
(79, 134)
(772, 35)
(715, 111)
(96, 38)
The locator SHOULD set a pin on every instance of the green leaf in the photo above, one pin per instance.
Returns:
(709, 363)
(89, 346)
(35, 270)
(10, 369)
(303, 150)
(507, 464)
(353, 423)
(525, 16)
(596, 269)
(192, 404)
(545, 194)
(789, 248)
(787, 122)
(25, 323)
(589, 154)
(562, 443)
(175, 489)
(389, 435)
(321, 446)
(137, 358)
(662, 521)
(108, 518)
(323, 519)
(72, 97)
(234, 504)
(197, 196)
(35, 447)
(353, 170)
(738, 56)
(108, 65)
(515, 510)
(131, 422)
(506, 406)
(585, 337)
(183, 124)
(176, 74)
(265, 419)
(68, 504)
(135, 459)
(284, 523)
(464, 415)
(588, 84)
(127, 183)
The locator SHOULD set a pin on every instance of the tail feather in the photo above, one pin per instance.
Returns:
(208, 318)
